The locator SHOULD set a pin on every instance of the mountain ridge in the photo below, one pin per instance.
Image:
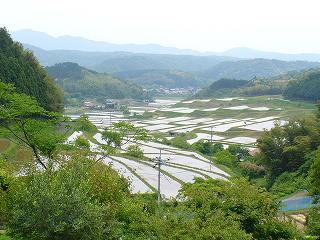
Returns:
(66, 42)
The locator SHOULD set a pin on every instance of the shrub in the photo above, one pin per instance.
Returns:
(313, 221)
(207, 147)
(239, 151)
(180, 142)
(135, 151)
(83, 124)
(225, 157)
(56, 206)
(82, 143)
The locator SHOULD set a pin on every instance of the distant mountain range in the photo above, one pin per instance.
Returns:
(156, 70)
(125, 61)
(172, 71)
(47, 42)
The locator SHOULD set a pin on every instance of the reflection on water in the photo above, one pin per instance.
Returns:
(297, 203)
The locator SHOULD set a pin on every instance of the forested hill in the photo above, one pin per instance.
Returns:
(21, 68)
(295, 85)
(81, 83)
(305, 86)
(222, 87)
(248, 69)
(164, 78)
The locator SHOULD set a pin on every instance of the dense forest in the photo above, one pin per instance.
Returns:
(294, 85)
(221, 87)
(306, 87)
(21, 68)
(81, 83)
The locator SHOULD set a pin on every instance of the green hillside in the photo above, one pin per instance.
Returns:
(294, 85)
(163, 78)
(222, 87)
(81, 83)
(126, 61)
(21, 68)
(305, 86)
(248, 69)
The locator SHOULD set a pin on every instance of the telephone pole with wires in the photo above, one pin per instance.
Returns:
(158, 163)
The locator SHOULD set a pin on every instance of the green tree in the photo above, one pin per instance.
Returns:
(207, 147)
(180, 142)
(83, 124)
(82, 142)
(239, 151)
(20, 68)
(284, 148)
(314, 176)
(225, 157)
(135, 151)
(122, 133)
(22, 120)
(313, 221)
(81, 200)
(56, 206)
(247, 204)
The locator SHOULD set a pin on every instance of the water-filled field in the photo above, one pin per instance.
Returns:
(228, 121)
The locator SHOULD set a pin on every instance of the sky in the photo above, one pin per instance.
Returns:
(290, 26)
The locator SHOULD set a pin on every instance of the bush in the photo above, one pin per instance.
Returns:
(313, 221)
(135, 151)
(56, 206)
(288, 183)
(83, 124)
(71, 203)
(239, 151)
(82, 143)
(225, 157)
(207, 147)
(251, 169)
(180, 142)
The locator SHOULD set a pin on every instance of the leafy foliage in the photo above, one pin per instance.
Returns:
(313, 221)
(207, 147)
(64, 204)
(82, 142)
(23, 120)
(225, 157)
(135, 151)
(82, 123)
(306, 87)
(218, 88)
(284, 148)
(122, 133)
(21, 68)
(315, 176)
(251, 206)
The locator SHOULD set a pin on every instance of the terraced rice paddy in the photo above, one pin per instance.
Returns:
(227, 120)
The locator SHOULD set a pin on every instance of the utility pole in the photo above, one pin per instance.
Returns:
(158, 162)
(211, 139)
(159, 179)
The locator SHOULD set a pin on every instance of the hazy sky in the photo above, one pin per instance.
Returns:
(206, 25)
